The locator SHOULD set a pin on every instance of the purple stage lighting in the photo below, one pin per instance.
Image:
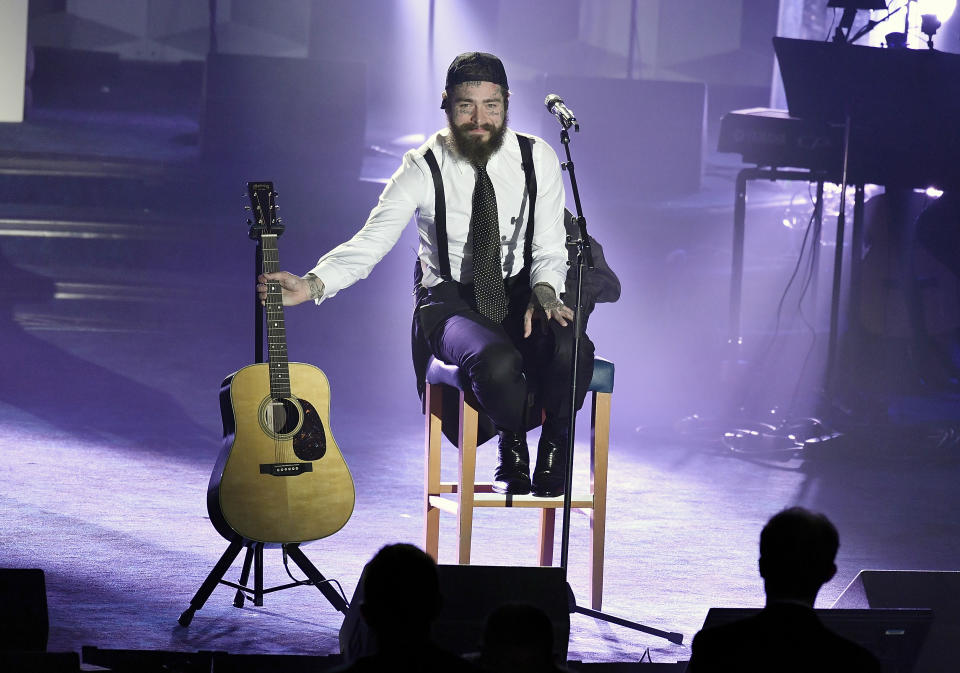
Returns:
(942, 9)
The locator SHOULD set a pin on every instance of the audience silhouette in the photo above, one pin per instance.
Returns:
(401, 599)
(518, 638)
(797, 552)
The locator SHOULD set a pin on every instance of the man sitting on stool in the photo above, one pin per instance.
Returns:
(491, 261)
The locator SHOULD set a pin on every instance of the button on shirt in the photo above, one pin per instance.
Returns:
(410, 192)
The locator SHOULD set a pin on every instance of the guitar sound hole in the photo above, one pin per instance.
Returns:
(281, 416)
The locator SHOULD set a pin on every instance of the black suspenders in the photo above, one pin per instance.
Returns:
(439, 215)
(440, 205)
(526, 159)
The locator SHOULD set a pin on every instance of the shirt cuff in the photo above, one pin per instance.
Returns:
(554, 280)
(315, 287)
(328, 278)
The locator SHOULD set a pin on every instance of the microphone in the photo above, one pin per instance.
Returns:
(563, 114)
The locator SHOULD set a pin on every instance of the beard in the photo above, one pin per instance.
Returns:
(474, 149)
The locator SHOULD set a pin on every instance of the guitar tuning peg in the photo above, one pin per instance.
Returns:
(249, 221)
(246, 207)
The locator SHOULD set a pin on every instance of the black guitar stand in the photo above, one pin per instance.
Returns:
(584, 259)
(254, 556)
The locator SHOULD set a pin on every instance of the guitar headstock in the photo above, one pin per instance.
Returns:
(263, 207)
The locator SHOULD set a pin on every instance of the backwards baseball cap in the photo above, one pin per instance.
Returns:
(475, 66)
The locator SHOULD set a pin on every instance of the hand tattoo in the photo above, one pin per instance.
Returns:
(314, 285)
(547, 297)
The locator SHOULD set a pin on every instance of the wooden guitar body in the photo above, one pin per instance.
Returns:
(280, 477)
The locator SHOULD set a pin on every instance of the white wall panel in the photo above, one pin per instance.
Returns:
(13, 59)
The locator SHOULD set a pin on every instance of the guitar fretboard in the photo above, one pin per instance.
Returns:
(276, 328)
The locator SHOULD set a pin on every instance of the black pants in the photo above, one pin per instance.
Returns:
(504, 368)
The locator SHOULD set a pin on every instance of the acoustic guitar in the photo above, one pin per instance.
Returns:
(280, 477)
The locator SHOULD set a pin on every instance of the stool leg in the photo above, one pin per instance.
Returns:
(433, 437)
(599, 452)
(547, 528)
(468, 473)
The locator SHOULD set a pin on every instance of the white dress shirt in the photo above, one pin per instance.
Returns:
(410, 191)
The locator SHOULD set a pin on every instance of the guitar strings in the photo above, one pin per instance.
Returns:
(274, 313)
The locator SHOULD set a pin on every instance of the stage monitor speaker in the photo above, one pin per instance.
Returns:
(894, 636)
(470, 594)
(148, 661)
(937, 590)
(40, 662)
(637, 137)
(306, 115)
(24, 624)
(223, 662)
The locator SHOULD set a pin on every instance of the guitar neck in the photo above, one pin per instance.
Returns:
(276, 327)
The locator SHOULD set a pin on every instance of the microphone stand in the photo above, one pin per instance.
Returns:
(584, 259)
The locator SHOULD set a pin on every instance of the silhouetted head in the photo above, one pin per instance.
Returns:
(401, 592)
(797, 552)
(518, 638)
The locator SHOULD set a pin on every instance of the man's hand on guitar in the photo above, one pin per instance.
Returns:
(545, 306)
(293, 289)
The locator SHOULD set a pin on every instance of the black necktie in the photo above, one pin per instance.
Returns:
(487, 268)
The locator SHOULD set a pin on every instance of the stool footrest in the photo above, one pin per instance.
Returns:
(581, 501)
(479, 487)
(443, 504)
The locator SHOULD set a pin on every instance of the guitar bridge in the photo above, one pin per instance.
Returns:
(285, 469)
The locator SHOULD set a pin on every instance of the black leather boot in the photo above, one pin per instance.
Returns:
(550, 473)
(513, 465)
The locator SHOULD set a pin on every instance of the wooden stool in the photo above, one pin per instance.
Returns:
(469, 494)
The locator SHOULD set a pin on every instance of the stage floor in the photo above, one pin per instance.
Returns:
(104, 478)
